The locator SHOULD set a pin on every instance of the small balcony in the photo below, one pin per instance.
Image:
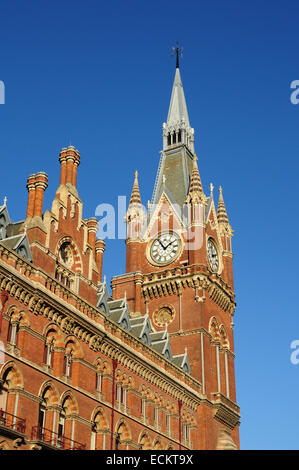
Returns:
(12, 425)
(52, 440)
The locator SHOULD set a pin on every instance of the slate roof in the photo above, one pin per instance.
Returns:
(10, 236)
(118, 311)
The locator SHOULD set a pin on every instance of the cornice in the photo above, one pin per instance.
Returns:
(172, 281)
(225, 410)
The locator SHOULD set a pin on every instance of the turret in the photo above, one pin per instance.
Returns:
(135, 219)
(196, 200)
(226, 237)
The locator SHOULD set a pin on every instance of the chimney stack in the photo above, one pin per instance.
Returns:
(41, 184)
(31, 196)
(69, 159)
(36, 185)
(100, 248)
(92, 225)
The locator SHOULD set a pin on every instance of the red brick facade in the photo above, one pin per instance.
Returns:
(73, 377)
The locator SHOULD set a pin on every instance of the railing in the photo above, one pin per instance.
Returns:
(54, 439)
(12, 422)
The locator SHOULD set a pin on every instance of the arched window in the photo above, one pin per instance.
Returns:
(98, 433)
(158, 445)
(145, 443)
(122, 436)
(11, 379)
(66, 424)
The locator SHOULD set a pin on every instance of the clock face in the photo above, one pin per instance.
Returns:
(165, 248)
(213, 255)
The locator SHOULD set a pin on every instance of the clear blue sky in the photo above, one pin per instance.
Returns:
(99, 74)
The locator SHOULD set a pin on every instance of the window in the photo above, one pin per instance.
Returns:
(99, 383)
(186, 432)
(41, 417)
(143, 407)
(68, 365)
(68, 359)
(12, 334)
(49, 354)
(61, 423)
(121, 395)
(168, 423)
(156, 416)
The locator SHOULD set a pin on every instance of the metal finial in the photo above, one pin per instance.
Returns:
(211, 188)
(5, 201)
(178, 51)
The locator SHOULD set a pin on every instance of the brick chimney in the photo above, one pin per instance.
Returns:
(41, 184)
(31, 196)
(69, 159)
(36, 185)
(92, 225)
(100, 248)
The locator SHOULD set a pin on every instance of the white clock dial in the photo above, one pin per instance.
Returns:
(213, 255)
(165, 248)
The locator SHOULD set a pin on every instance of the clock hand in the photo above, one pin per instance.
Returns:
(170, 244)
(161, 244)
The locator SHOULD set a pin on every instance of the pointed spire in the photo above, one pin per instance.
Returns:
(177, 130)
(135, 196)
(195, 193)
(221, 211)
(177, 109)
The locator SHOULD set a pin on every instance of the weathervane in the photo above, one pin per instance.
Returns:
(178, 51)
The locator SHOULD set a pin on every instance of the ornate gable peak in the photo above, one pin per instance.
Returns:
(155, 209)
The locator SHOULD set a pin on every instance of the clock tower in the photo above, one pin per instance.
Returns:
(179, 273)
